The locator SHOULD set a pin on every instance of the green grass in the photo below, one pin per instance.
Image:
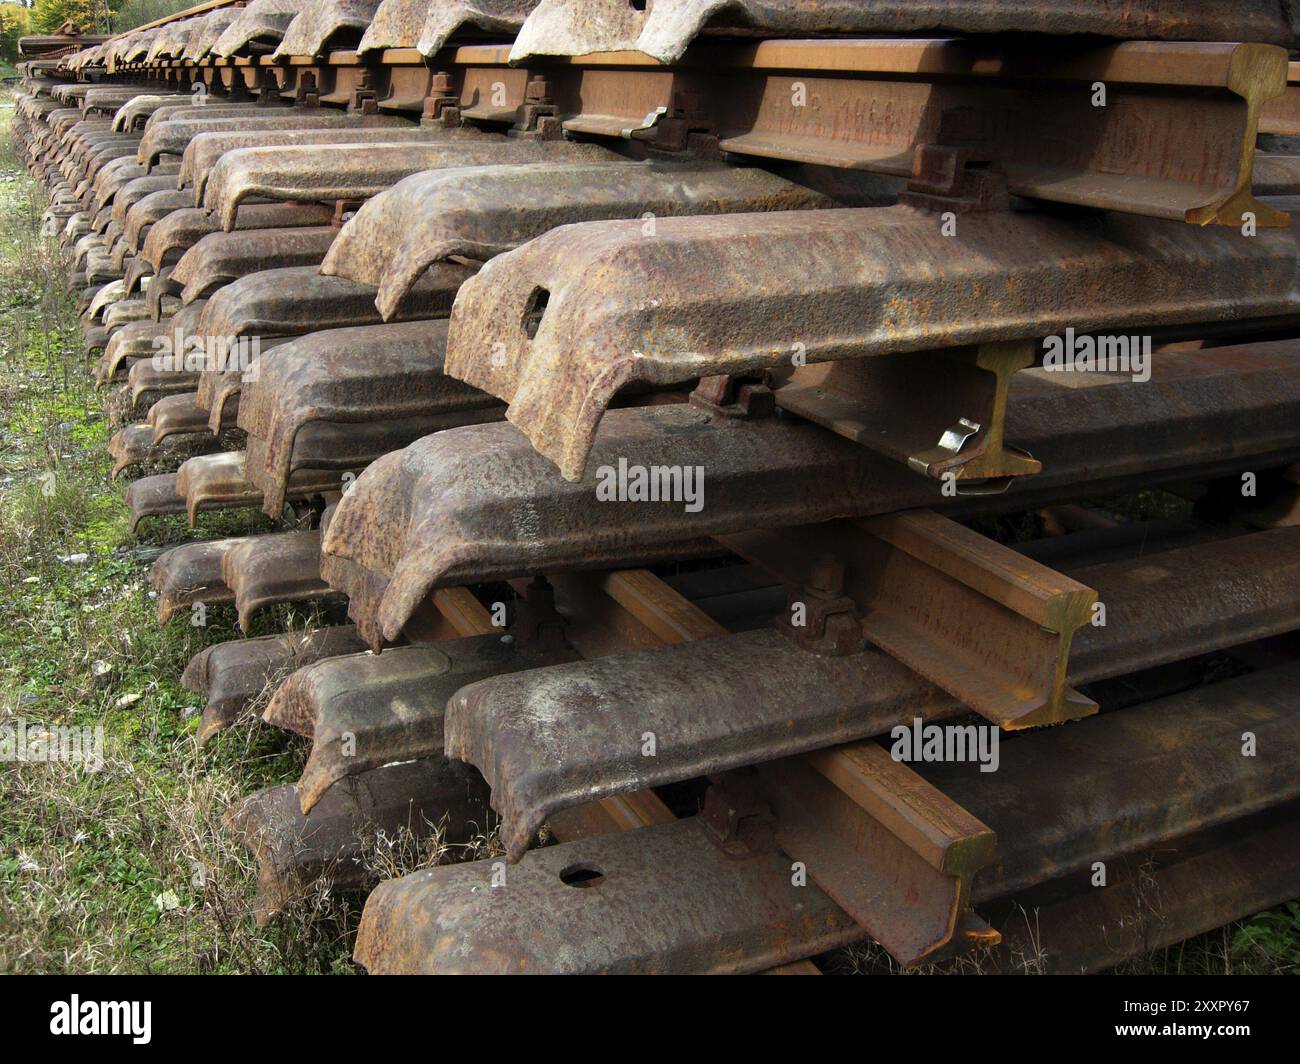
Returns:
(127, 868)
(97, 869)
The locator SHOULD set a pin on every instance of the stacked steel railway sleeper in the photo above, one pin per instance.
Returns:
(646, 386)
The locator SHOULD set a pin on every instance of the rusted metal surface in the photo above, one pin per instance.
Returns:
(966, 121)
(96, 257)
(397, 686)
(318, 378)
(319, 24)
(217, 482)
(954, 432)
(83, 182)
(357, 171)
(131, 446)
(137, 445)
(986, 624)
(95, 264)
(190, 573)
(148, 381)
(784, 429)
(443, 511)
(138, 340)
(83, 139)
(139, 275)
(895, 852)
(427, 25)
(363, 711)
(179, 414)
(99, 269)
(94, 338)
(106, 99)
(53, 45)
(294, 852)
(1153, 902)
(171, 136)
(219, 390)
(207, 32)
(467, 462)
(623, 813)
(238, 677)
(71, 92)
(103, 299)
(136, 111)
(1133, 767)
(114, 53)
(342, 446)
(573, 733)
(146, 212)
(110, 178)
(204, 150)
(1277, 175)
(209, 111)
(170, 41)
(425, 922)
(609, 703)
(180, 230)
(250, 571)
(480, 212)
(147, 376)
(264, 570)
(743, 293)
(139, 45)
(123, 258)
(256, 28)
(99, 155)
(60, 120)
(136, 190)
(1210, 582)
(219, 258)
(88, 145)
(82, 249)
(297, 299)
(663, 899)
(665, 28)
(78, 224)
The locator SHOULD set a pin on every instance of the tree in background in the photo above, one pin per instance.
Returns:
(100, 16)
(89, 16)
(131, 13)
(15, 22)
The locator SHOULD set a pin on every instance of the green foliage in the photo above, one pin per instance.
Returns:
(15, 22)
(134, 13)
(1271, 940)
(88, 16)
(97, 16)
(99, 869)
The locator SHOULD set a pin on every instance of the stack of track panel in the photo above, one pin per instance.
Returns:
(636, 391)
